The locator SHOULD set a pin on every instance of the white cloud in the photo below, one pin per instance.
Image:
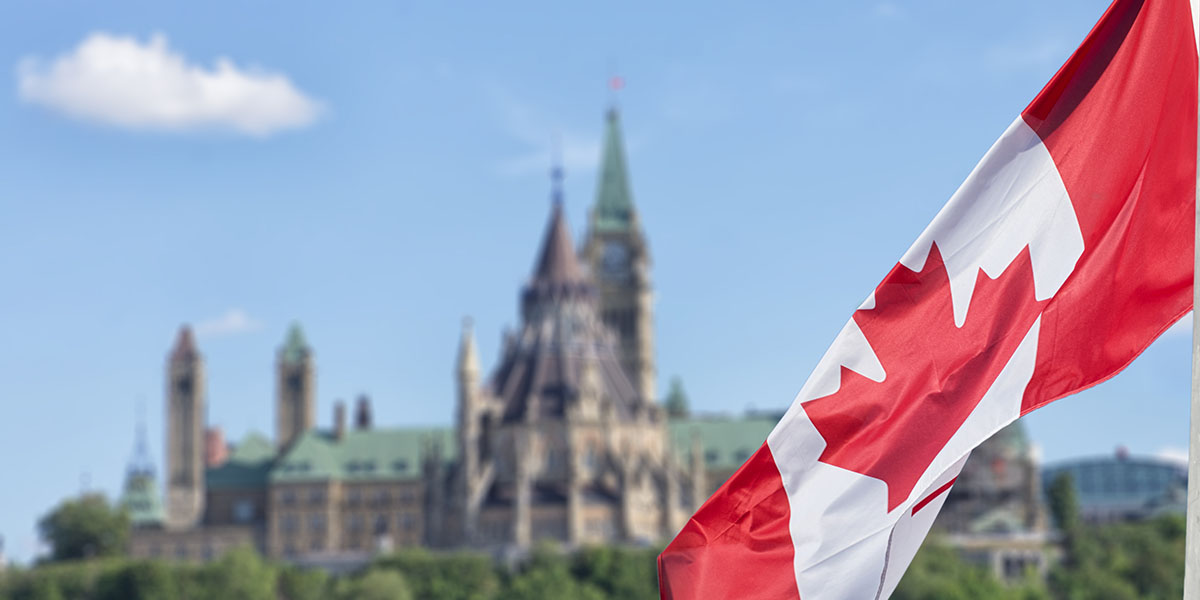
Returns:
(1179, 455)
(117, 80)
(1018, 56)
(233, 322)
(888, 10)
(1181, 329)
(544, 140)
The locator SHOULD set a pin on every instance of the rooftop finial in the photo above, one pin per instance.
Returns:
(556, 174)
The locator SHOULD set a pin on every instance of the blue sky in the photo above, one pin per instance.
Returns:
(782, 159)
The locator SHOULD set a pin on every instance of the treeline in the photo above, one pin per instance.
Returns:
(590, 574)
(1124, 561)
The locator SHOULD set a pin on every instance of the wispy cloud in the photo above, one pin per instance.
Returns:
(1016, 56)
(887, 10)
(120, 81)
(544, 140)
(1179, 455)
(1181, 329)
(234, 321)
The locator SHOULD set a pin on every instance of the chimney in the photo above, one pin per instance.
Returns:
(216, 452)
(339, 420)
(362, 413)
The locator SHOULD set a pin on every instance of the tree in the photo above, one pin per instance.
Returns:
(240, 573)
(303, 584)
(376, 584)
(619, 572)
(461, 576)
(85, 527)
(139, 580)
(676, 401)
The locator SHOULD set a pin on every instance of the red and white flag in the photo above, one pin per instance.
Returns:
(1065, 253)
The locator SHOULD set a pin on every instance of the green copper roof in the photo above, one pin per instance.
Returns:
(295, 347)
(371, 455)
(727, 442)
(247, 466)
(140, 499)
(614, 202)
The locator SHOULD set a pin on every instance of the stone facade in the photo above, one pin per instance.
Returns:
(564, 440)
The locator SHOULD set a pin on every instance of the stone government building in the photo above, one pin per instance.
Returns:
(564, 440)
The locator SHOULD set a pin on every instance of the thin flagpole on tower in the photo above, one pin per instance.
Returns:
(1191, 565)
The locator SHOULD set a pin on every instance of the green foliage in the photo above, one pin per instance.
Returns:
(676, 401)
(303, 584)
(938, 572)
(85, 527)
(461, 576)
(1125, 560)
(548, 575)
(619, 572)
(241, 573)
(1064, 507)
(376, 584)
(138, 580)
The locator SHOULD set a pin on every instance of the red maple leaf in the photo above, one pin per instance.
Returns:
(936, 373)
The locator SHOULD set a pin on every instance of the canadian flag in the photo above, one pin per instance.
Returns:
(1065, 253)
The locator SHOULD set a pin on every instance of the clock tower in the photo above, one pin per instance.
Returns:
(615, 250)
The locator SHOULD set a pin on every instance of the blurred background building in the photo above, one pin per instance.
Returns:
(1123, 487)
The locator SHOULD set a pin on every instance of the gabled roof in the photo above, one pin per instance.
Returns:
(557, 263)
(613, 210)
(371, 455)
(246, 467)
(727, 441)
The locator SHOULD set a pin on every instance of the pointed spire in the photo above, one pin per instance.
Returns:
(295, 347)
(557, 262)
(468, 358)
(185, 345)
(613, 210)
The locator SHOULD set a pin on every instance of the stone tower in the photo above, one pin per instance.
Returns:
(615, 250)
(470, 416)
(185, 432)
(295, 406)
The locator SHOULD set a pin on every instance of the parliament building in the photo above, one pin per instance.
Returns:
(563, 440)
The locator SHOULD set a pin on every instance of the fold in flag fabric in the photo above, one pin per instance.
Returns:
(1065, 253)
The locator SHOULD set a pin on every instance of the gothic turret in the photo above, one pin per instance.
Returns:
(140, 498)
(295, 397)
(619, 261)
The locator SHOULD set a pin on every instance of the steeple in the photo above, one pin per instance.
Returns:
(140, 497)
(185, 345)
(614, 201)
(468, 357)
(295, 348)
(557, 275)
(618, 259)
(557, 263)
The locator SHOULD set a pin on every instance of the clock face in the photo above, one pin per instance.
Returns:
(615, 259)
